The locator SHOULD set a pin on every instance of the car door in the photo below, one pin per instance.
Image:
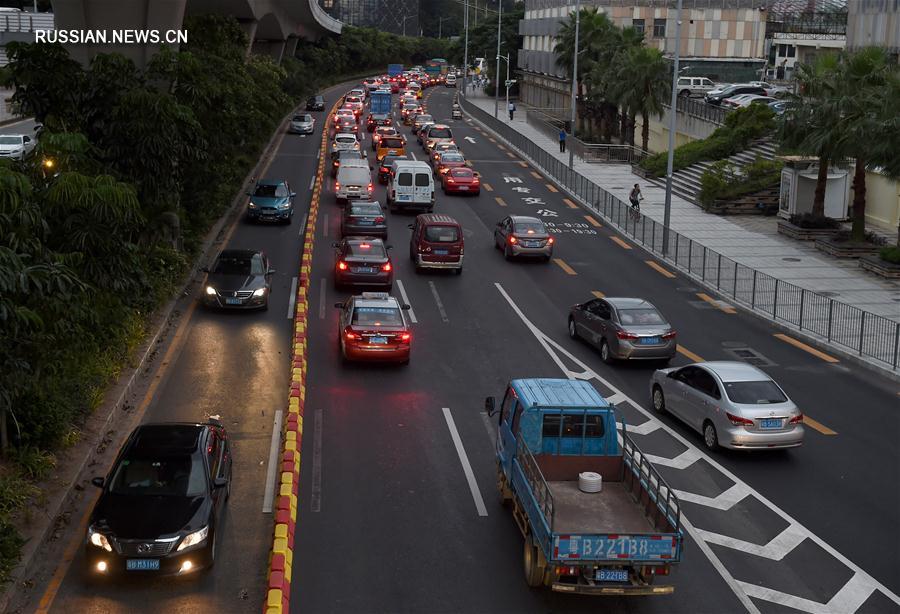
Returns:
(602, 325)
(699, 398)
(582, 317)
(679, 382)
(501, 232)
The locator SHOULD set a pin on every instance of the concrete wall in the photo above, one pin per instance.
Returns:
(688, 128)
(882, 201)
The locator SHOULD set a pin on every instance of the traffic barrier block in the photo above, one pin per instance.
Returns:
(284, 517)
(285, 491)
(286, 532)
(295, 392)
(284, 503)
(290, 436)
(275, 601)
(291, 444)
(287, 478)
(277, 581)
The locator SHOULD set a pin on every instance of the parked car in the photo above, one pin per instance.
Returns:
(694, 86)
(302, 124)
(239, 279)
(734, 90)
(521, 235)
(623, 329)
(732, 404)
(745, 100)
(17, 146)
(315, 103)
(271, 200)
(771, 89)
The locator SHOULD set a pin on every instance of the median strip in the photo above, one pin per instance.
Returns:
(565, 267)
(659, 269)
(806, 348)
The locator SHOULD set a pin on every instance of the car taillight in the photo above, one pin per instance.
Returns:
(379, 220)
(798, 419)
(513, 240)
(656, 570)
(450, 180)
(350, 335)
(405, 338)
(621, 334)
(342, 265)
(669, 335)
(371, 187)
(738, 420)
(550, 240)
(475, 182)
(386, 266)
(337, 186)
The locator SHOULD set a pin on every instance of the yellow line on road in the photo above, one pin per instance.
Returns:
(523, 164)
(565, 267)
(536, 175)
(593, 222)
(570, 204)
(500, 201)
(621, 243)
(551, 187)
(487, 187)
(501, 146)
(510, 154)
(815, 424)
(688, 354)
(806, 348)
(659, 269)
(598, 294)
(492, 139)
(726, 308)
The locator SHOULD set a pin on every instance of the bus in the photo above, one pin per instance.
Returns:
(436, 66)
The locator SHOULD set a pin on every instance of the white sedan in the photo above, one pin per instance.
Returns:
(16, 146)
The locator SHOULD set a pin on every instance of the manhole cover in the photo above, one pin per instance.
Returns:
(826, 293)
(792, 259)
(750, 356)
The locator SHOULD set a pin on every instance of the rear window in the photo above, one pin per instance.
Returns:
(365, 209)
(441, 234)
(423, 179)
(424, 118)
(377, 316)
(461, 172)
(392, 143)
(529, 228)
(452, 157)
(366, 248)
(640, 316)
(573, 425)
(404, 179)
(754, 393)
(440, 133)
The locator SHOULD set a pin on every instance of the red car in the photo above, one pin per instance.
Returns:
(447, 161)
(374, 326)
(461, 180)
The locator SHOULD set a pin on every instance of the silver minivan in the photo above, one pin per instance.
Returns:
(694, 86)
(354, 180)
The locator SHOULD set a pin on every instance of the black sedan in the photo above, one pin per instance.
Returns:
(364, 218)
(733, 90)
(315, 103)
(162, 502)
(239, 279)
(362, 261)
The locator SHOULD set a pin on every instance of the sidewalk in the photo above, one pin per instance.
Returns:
(750, 240)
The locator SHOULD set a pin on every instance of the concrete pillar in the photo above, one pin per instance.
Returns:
(274, 49)
(290, 49)
(249, 27)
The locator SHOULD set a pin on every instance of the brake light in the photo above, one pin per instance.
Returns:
(550, 240)
(386, 266)
(798, 419)
(350, 335)
(450, 180)
(513, 240)
(669, 335)
(342, 265)
(738, 420)
(379, 220)
(371, 187)
(621, 334)
(405, 338)
(337, 186)
(656, 570)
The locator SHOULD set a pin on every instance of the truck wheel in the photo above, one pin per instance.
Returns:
(535, 565)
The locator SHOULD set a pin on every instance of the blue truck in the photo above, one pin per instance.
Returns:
(380, 102)
(395, 70)
(614, 542)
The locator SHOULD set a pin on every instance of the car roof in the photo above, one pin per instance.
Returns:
(437, 218)
(374, 299)
(440, 126)
(166, 438)
(238, 253)
(622, 302)
(558, 393)
(525, 218)
(354, 163)
(734, 371)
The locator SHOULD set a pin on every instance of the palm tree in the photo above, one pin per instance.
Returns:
(644, 75)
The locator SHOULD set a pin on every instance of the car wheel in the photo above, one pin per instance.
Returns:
(710, 437)
(659, 400)
(684, 93)
(573, 331)
(459, 271)
(605, 354)
(506, 253)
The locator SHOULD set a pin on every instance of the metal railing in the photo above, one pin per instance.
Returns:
(700, 109)
(606, 153)
(539, 486)
(843, 326)
(638, 470)
(26, 22)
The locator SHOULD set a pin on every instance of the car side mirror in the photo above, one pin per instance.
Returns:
(339, 305)
(293, 194)
(335, 244)
(489, 405)
(270, 271)
(405, 307)
(98, 482)
(26, 139)
(220, 482)
(410, 226)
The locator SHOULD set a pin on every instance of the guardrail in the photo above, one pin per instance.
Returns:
(605, 153)
(26, 22)
(638, 470)
(539, 486)
(700, 109)
(854, 330)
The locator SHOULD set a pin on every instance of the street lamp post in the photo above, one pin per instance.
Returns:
(506, 57)
(441, 21)
(497, 74)
(575, 80)
(404, 23)
(466, 50)
(673, 117)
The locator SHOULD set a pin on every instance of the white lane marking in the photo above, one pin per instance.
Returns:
(437, 299)
(848, 599)
(738, 587)
(464, 460)
(777, 548)
(616, 399)
(315, 499)
(322, 299)
(325, 226)
(724, 501)
(318, 153)
(412, 314)
(290, 313)
(413, 154)
(272, 470)
(303, 224)
(644, 428)
(312, 182)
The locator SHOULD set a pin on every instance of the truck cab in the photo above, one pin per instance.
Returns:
(552, 432)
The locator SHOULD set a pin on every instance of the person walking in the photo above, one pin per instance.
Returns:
(512, 110)
(562, 140)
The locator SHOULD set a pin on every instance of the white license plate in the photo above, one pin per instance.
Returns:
(233, 301)
(142, 565)
(463, 188)
(378, 340)
(612, 575)
(770, 423)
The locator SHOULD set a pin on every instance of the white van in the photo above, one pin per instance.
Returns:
(410, 186)
(354, 180)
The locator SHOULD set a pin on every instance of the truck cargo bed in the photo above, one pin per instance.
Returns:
(613, 510)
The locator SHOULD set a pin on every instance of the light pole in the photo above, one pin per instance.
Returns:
(466, 50)
(673, 118)
(404, 23)
(441, 21)
(497, 74)
(575, 80)
(506, 57)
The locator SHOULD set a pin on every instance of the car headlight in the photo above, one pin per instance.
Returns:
(251, 205)
(284, 205)
(260, 292)
(98, 539)
(210, 290)
(193, 539)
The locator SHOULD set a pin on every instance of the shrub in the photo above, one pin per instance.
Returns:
(890, 254)
(871, 237)
(724, 180)
(811, 220)
(35, 464)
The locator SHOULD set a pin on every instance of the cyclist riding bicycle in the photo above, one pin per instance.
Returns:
(635, 197)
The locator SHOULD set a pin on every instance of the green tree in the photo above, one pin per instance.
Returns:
(48, 83)
(645, 75)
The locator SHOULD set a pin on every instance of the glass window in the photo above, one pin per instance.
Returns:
(366, 248)
(508, 401)
(440, 133)
(533, 228)
(234, 264)
(213, 455)
(423, 179)
(516, 417)
(452, 157)
(271, 190)
(551, 425)
(755, 393)
(166, 476)
(640, 316)
(791, 51)
(377, 316)
(257, 266)
(638, 24)
(405, 179)
(392, 142)
(659, 28)
(602, 310)
(706, 383)
(10, 140)
(365, 209)
(462, 172)
(441, 234)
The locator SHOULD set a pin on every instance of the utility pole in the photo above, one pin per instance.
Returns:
(497, 74)
(673, 125)
(575, 81)
(441, 21)
(466, 50)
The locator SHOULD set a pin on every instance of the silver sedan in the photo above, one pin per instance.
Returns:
(520, 235)
(623, 328)
(733, 404)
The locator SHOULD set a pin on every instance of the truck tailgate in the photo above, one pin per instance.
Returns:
(619, 548)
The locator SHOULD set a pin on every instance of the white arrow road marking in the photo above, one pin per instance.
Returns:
(470, 139)
(848, 598)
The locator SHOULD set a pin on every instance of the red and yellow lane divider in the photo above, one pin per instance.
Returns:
(281, 558)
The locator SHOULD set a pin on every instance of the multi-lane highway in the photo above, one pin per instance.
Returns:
(399, 514)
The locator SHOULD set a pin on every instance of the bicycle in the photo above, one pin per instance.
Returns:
(635, 212)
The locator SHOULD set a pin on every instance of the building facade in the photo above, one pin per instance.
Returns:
(874, 23)
(396, 16)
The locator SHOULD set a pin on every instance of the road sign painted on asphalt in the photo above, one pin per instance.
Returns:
(470, 139)
(547, 213)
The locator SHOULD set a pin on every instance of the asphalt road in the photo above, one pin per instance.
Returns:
(388, 521)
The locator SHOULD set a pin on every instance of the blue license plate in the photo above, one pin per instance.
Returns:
(649, 340)
(378, 340)
(232, 301)
(366, 222)
(440, 252)
(770, 423)
(404, 197)
(365, 269)
(142, 564)
(612, 575)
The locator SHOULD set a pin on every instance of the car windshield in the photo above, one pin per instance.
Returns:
(271, 191)
(388, 160)
(10, 140)
(452, 157)
(441, 234)
(421, 119)
(642, 316)
(754, 393)
(239, 265)
(180, 476)
(440, 133)
(365, 209)
(366, 248)
(529, 228)
(303, 118)
(377, 316)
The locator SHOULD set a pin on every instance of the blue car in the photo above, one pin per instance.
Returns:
(271, 201)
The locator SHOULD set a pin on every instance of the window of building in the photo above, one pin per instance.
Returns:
(659, 28)
(638, 24)
(791, 51)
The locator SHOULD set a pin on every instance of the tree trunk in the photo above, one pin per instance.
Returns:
(858, 232)
(4, 438)
(818, 207)
(645, 131)
(623, 130)
(632, 124)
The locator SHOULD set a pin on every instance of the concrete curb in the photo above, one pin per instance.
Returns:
(782, 326)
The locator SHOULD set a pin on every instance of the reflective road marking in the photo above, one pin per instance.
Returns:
(565, 267)
(412, 314)
(464, 461)
(806, 348)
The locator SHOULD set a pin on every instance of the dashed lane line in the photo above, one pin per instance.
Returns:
(487, 187)
(806, 348)
(818, 426)
(551, 187)
(725, 307)
(598, 294)
(593, 221)
(565, 267)
(437, 300)
(523, 164)
(412, 314)
(536, 175)
(500, 201)
(621, 243)
(570, 204)
(660, 269)
(511, 155)
(688, 354)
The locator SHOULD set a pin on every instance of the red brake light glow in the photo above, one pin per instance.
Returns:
(550, 240)
(342, 265)
(669, 335)
(512, 239)
(337, 186)
(364, 245)
(405, 337)
(798, 419)
(621, 334)
(386, 266)
(738, 420)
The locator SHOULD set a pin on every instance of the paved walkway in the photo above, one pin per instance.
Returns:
(752, 241)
